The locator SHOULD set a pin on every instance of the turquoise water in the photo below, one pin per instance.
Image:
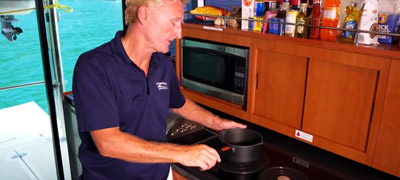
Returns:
(92, 23)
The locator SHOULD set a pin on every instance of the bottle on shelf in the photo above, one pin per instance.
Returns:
(315, 19)
(301, 31)
(330, 18)
(291, 17)
(310, 4)
(279, 2)
(351, 21)
(283, 8)
(294, 4)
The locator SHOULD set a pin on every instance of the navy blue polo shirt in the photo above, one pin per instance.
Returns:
(111, 91)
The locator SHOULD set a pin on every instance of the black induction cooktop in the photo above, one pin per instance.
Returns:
(282, 158)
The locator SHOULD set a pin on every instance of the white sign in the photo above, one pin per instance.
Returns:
(304, 136)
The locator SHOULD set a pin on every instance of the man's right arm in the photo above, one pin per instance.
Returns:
(111, 142)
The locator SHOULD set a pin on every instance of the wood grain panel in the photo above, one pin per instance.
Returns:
(339, 102)
(202, 34)
(218, 104)
(387, 156)
(177, 176)
(217, 36)
(272, 125)
(372, 62)
(279, 93)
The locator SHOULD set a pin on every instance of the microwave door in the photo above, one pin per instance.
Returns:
(205, 66)
(209, 72)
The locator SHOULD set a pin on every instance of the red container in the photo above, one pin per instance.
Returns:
(295, 4)
(316, 18)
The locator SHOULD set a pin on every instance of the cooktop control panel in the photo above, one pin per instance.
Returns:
(179, 127)
(182, 128)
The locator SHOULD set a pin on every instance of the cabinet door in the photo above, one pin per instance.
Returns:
(279, 91)
(339, 102)
(387, 156)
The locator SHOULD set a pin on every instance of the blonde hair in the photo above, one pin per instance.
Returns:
(132, 7)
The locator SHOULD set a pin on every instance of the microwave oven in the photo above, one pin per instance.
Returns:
(215, 69)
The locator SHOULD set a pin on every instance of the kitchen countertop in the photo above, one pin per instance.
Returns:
(281, 150)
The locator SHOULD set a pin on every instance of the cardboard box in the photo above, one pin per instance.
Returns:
(247, 12)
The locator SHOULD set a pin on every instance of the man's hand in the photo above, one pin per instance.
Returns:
(221, 124)
(193, 112)
(199, 156)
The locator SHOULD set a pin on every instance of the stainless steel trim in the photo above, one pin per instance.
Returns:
(213, 91)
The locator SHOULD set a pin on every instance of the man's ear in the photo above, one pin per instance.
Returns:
(143, 14)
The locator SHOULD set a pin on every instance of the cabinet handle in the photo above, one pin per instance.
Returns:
(257, 81)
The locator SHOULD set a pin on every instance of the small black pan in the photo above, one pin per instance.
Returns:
(241, 146)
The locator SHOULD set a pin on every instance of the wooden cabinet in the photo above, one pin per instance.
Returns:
(279, 88)
(387, 156)
(334, 96)
(341, 99)
(332, 92)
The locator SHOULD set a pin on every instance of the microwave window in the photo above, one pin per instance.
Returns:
(204, 67)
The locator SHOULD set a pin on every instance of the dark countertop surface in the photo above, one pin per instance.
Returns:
(294, 156)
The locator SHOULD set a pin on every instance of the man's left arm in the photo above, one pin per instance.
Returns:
(193, 112)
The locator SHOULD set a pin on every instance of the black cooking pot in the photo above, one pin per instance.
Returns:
(242, 146)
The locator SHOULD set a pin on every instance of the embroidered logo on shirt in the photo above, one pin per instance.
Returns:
(162, 85)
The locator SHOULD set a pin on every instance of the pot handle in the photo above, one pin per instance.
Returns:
(227, 148)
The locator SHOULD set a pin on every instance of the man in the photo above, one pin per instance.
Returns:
(123, 90)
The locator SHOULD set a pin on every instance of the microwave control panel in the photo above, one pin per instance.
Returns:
(239, 79)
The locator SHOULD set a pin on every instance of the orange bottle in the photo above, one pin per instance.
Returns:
(330, 18)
